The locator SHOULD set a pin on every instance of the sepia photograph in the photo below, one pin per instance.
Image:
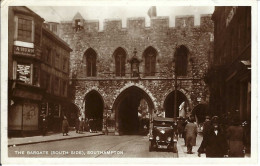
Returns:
(141, 81)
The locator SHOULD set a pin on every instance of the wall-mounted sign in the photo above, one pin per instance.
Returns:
(24, 73)
(18, 50)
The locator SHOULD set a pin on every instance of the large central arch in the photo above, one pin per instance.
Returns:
(126, 107)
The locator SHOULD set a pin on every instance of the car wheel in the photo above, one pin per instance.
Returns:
(175, 150)
(150, 146)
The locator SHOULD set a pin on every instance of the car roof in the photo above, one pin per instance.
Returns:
(163, 119)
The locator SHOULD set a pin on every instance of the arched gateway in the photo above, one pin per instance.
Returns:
(129, 112)
(94, 106)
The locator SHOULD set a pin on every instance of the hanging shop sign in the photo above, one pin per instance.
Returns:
(18, 50)
(24, 72)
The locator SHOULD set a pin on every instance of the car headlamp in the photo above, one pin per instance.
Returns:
(157, 138)
(162, 131)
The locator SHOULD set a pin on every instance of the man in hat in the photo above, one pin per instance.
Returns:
(214, 141)
(191, 134)
(206, 129)
(206, 125)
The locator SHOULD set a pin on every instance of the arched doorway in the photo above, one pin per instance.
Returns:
(200, 111)
(182, 105)
(133, 107)
(94, 106)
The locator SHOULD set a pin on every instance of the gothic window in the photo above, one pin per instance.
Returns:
(150, 61)
(91, 58)
(120, 59)
(181, 61)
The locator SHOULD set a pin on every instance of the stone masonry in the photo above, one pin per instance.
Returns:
(164, 39)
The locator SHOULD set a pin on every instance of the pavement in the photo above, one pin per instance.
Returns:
(50, 137)
(182, 149)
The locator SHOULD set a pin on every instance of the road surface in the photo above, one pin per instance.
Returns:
(133, 146)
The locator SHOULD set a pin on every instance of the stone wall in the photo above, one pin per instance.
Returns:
(160, 36)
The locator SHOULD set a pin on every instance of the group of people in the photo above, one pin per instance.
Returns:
(86, 125)
(219, 139)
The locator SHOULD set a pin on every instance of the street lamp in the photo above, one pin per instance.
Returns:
(175, 82)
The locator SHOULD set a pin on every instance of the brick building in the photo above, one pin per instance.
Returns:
(32, 71)
(115, 68)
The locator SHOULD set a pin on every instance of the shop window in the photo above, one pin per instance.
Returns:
(181, 61)
(24, 72)
(24, 32)
(120, 59)
(150, 61)
(91, 58)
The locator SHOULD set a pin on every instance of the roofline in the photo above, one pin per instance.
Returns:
(33, 13)
(57, 38)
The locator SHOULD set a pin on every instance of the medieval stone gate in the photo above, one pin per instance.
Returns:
(116, 66)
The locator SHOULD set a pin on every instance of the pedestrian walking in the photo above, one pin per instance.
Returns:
(214, 141)
(191, 131)
(44, 125)
(77, 124)
(236, 139)
(180, 126)
(206, 128)
(81, 125)
(65, 126)
(183, 134)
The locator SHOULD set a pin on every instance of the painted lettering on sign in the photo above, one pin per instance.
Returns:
(18, 50)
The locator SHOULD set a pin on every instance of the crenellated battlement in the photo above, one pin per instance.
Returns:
(160, 22)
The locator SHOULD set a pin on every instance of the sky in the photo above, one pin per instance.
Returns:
(65, 13)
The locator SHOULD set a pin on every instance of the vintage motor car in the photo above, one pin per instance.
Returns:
(163, 134)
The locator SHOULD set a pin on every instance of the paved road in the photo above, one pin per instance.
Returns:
(97, 146)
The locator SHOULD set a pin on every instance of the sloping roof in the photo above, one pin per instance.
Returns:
(55, 37)
(77, 16)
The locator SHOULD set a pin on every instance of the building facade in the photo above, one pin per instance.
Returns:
(229, 75)
(55, 79)
(27, 68)
(114, 69)
(230, 72)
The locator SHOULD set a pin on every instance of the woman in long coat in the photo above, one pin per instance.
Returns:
(236, 139)
(191, 135)
(65, 126)
(214, 141)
